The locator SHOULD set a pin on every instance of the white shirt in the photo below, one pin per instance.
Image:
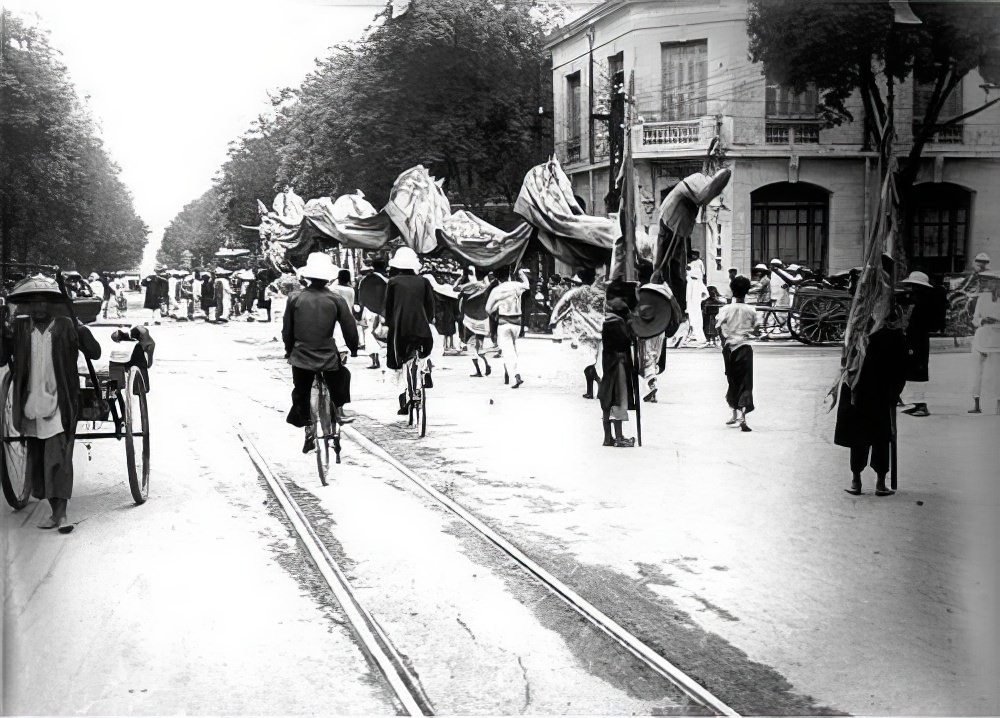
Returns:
(987, 337)
(505, 298)
(736, 322)
(41, 409)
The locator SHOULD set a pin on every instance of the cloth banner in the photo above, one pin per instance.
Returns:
(546, 202)
(419, 208)
(477, 242)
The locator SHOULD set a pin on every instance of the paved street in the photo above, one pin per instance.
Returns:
(736, 556)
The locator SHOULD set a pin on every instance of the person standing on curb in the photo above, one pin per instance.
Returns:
(736, 323)
(505, 300)
(986, 341)
(927, 315)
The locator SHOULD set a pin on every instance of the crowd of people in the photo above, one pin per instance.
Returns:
(217, 296)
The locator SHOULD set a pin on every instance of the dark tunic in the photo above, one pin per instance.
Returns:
(445, 314)
(925, 318)
(616, 387)
(409, 312)
(207, 294)
(307, 330)
(157, 289)
(867, 421)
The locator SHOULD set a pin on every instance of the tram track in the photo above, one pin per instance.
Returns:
(377, 645)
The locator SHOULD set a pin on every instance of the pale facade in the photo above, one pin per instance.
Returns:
(798, 190)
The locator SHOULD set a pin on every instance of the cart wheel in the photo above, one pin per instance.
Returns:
(821, 320)
(136, 420)
(13, 454)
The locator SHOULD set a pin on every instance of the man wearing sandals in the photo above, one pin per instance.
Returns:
(45, 388)
(307, 330)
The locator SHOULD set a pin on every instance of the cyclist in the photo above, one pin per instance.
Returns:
(309, 321)
(409, 312)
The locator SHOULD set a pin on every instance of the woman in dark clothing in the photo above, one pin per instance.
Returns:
(864, 415)
(409, 312)
(616, 392)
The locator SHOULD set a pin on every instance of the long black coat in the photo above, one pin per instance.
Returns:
(616, 364)
(926, 317)
(409, 312)
(883, 375)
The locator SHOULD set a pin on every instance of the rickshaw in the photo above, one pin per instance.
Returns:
(819, 310)
(113, 405)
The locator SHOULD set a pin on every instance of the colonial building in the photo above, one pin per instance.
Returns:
(799, 191)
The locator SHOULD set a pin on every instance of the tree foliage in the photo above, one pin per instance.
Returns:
(61, 199)
(847, 47)
(196, 229)
(451, 84)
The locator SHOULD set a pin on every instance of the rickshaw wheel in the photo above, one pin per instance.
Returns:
(13, 455)
(136, 420)
(820, 320)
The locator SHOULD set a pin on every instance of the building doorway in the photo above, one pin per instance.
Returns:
(790, 222)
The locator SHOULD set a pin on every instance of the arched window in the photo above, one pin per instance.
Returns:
(939, 227)
(789, 221)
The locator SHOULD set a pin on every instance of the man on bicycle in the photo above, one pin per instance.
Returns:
(309, 321)
(409, 312)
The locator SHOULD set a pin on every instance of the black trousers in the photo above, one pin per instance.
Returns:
(338, 382)
(879, 457)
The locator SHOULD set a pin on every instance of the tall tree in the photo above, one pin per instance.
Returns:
(847, 47)
(61, 199)
(451, 84)
(196, 229)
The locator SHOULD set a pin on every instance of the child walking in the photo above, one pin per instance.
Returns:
(736, 323)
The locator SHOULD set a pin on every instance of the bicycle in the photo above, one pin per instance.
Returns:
(416, 395)
(326, 431)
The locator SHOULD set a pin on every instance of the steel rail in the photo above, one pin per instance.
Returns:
(374, 642)
(594, 616)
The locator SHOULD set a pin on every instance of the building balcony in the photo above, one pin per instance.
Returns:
(679, 137)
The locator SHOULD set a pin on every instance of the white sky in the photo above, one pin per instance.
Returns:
(171, 84)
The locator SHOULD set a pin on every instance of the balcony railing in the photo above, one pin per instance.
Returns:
(951, 135)
(791, 133)
(687, 132)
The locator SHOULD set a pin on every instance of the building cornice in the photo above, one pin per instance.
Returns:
(588, 18)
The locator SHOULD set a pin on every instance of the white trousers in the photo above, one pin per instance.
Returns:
(917, 391)
(697, 322)
(507, 341)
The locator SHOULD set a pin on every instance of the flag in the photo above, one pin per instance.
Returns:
(624, 264)
(872, 299)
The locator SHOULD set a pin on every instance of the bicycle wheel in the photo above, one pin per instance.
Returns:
(322, 427)
(422, 410)
(135, 415)
(411, 390)
(13, 454)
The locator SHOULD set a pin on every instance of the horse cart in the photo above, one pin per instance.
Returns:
(112, 405)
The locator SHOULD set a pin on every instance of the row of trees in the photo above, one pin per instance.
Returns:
(454, 85)
(61, 198)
